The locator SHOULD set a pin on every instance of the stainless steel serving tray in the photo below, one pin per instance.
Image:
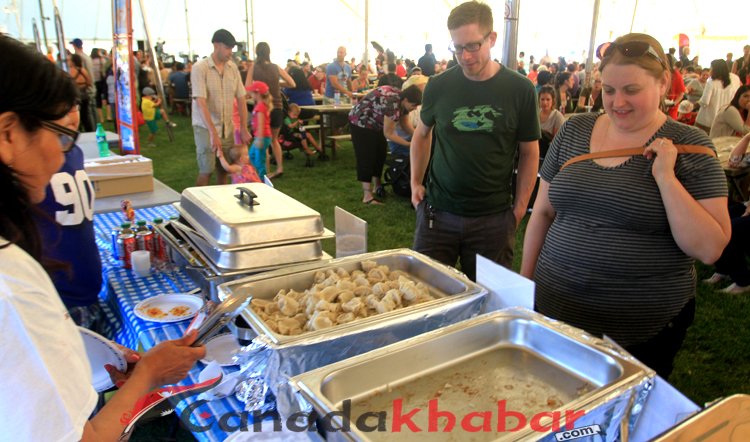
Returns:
(446, 284)
(725, 421)
(226, 221)
(470, 366)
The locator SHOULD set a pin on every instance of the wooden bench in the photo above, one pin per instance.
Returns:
(187, 102)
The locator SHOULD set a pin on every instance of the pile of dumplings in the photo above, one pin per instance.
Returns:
(337, 297)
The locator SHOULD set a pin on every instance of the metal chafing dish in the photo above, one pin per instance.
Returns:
(725, 421)
(276, 357)
(227, 232)
(514, 355)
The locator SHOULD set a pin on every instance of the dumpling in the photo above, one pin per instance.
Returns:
(328, 306)
(353, 306)
(345, 296)
(346, 285)
(342, 273)
(368, 265)
(319, 277)
(330, 293)
(286, 326)
(288, 305)
(363, 291)
(346, 317)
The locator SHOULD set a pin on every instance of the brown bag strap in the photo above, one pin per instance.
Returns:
(681, 149)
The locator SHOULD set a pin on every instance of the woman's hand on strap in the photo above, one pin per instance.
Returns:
(666, 157)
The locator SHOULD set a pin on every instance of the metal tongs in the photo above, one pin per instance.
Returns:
(221, 315)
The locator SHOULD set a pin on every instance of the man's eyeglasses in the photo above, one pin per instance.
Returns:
(471, 47)
(631, 49)
(68, 137)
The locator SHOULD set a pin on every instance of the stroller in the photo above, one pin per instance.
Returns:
(398, 175)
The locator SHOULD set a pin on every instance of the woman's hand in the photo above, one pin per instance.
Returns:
(169, 361)
(131, 357)
(666, 157)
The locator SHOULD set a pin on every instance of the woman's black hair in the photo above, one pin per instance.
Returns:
(719, 71)
(413, 94)
(550, 91)
(543, 78)
(299, 79)
(561, 78)
(35, 90)
(77, 60)
(263, 52)
(736, 100)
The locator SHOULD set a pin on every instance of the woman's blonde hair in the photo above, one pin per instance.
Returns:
(267, 99)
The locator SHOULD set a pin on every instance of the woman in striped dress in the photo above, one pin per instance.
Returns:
(611, 241)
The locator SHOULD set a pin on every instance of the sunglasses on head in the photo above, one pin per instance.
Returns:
(631, 49)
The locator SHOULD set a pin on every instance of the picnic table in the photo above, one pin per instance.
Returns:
(326, 123)
(736, 177)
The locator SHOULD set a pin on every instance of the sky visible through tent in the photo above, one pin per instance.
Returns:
(562, 28)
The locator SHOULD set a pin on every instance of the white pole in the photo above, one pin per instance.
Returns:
(510, 41)
(44, 27)
(18, 19)
(187, 25)
(633, 21)
(247, 27)
(367, 35)
(252, 24)
(592, 43)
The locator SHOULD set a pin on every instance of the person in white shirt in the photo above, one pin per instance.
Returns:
(718, 93)
(47, 379)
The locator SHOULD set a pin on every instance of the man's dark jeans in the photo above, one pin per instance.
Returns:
(452, 237)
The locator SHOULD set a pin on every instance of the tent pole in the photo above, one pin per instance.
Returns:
(155, 66)
(44, 27)
(37, 42)
(367, 35)
(247, 26)
(187, 25)
(634, 9)
(510, 40)
(14, 3)
(252, 24)
(592, 42)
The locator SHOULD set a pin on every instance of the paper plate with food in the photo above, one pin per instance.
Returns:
(169, 308)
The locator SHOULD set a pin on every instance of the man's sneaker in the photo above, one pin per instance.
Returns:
(170, 124)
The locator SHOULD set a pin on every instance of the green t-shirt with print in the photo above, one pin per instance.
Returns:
(288, 121)
(478, 125)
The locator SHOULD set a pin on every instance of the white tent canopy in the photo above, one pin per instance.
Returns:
(320, 27)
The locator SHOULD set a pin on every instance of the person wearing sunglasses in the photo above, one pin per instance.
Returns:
(481, 112)
(49, 372)
(612, 240)
(67, 230)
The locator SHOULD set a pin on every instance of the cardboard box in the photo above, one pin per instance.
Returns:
(120, 175)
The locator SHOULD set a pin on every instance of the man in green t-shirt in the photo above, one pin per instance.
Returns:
(481, 113)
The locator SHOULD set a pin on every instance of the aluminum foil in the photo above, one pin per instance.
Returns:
(609, 409)
(277, 363)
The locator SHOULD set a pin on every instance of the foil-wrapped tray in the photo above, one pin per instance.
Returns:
(444, 283)
(513, 360)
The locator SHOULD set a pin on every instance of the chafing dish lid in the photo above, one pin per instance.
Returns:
(222, 214)
(726, 421)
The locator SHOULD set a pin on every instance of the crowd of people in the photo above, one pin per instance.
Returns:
(611, 242)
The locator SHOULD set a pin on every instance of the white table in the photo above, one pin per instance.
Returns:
(160, 196)
(87, 142)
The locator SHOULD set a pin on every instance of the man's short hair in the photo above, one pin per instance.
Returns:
(392, 68)
(470, 13)
(690, 69)
(672, 50)
(427, 47)
(305, 63)
(572, 67)
(179, 66)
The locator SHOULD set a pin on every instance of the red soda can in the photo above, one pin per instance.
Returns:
(125, 246)
(144, 240)
(162, 248)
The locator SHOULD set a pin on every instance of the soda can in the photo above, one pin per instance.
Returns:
(162, 248)
(125, 246)
(144, 240)
(113, 235)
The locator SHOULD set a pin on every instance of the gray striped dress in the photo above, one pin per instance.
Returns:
(609, 263)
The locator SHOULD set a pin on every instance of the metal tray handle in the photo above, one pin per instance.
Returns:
(251, 197)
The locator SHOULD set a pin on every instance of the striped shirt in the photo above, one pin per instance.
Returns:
(219, 90)
(609, 263)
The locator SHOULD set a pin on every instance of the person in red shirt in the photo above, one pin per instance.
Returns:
(400, 69)
(318, 80)
(677, 91)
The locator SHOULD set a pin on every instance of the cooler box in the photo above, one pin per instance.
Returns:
(120, 175)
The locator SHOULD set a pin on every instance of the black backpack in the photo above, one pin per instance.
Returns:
(398, 175)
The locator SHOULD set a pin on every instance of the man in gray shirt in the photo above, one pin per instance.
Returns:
(89, 66)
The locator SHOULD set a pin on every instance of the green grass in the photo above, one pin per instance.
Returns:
(712, 363)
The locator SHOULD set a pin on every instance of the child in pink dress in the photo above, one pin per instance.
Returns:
(241, 171)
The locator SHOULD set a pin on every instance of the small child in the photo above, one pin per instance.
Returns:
(149, 103)
(298, 131)
(685, 113)
(261, 125)
(240, 169)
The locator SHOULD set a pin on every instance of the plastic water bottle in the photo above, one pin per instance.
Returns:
(337, 99)
(101, 141)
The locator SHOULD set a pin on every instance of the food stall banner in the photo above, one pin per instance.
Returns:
(127, 126)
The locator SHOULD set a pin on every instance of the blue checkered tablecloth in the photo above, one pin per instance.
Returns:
(120, 293)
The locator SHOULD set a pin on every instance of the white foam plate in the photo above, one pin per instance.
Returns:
(100, 352)
(219, 349)
(169, 308)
